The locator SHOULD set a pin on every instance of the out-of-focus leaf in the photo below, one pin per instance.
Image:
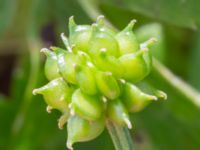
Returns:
(176, 12)
(7, 11)
(104, 140)
(11, 105)
(194, 69)
(177, 102)
(177, 47)
(62, 10)
(4, 120)
(39, 16)
(168, 124)
(166, 131)
(173, 124)
(120, 17)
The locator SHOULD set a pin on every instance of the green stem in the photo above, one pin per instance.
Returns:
(120, 136)
(188, 91)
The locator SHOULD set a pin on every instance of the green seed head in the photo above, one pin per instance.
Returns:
(92, 80)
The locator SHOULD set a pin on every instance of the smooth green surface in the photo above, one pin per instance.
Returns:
(166, 11)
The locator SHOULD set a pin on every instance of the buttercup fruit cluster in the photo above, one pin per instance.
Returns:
(92, 80)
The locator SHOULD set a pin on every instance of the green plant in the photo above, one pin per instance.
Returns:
(92, 82)
(163, 125)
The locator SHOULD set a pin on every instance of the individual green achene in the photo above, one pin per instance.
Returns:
(92, 81)
(86, 106)
(107, 85)
(79, 36)
(66, 64)
(51, 62)
(57, 94)
(102, 40)
(86, 79)
(134, 99)
(80, 130)
(127, 40)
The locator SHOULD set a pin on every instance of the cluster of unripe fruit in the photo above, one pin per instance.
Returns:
(92, 80)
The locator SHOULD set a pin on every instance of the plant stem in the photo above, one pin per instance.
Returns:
(120, 136)
(188, 91)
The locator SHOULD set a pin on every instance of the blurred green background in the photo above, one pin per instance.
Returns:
(26, 26)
